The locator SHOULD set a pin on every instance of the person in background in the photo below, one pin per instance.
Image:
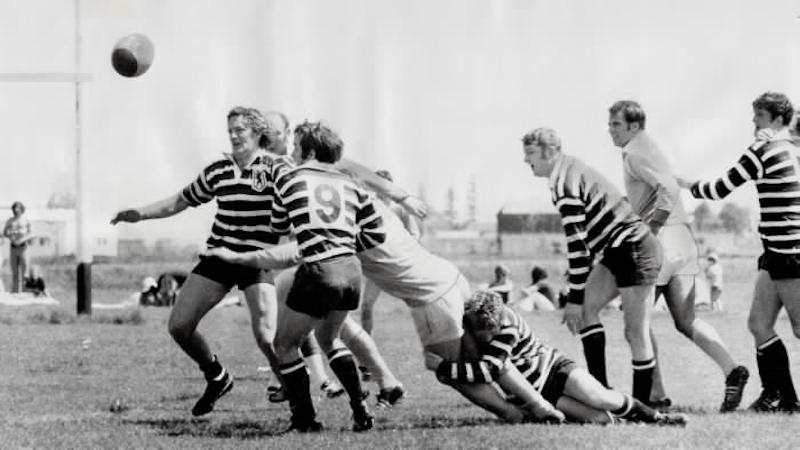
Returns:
(539, 295)
(502, 283)
(18, 231)
(714, 277)
(34, 282)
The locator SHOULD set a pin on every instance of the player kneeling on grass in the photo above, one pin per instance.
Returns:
(505, 340)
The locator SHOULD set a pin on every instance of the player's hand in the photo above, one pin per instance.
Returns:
(127, 215)
(415, 206)
(553, 416)
(573, 317)
(222, 253)
(432, 360)
(683, 182)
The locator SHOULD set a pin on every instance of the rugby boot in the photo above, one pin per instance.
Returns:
(734, 387)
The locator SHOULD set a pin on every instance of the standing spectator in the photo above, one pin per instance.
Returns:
(18, 231)
(502, 283)
(714, 277)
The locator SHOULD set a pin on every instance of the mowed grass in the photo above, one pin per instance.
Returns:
(60, 382)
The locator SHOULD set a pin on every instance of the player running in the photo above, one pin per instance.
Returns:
(771, 163)
(655, 197)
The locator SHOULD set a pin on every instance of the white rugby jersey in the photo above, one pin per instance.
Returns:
(402, 267)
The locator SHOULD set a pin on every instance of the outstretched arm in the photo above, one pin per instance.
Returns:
(412, 204)
(164, 208)
(278, 257)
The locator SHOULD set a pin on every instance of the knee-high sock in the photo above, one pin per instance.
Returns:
(643, 379)
(594, 350)
(295, 376)
(344, 366)
(773, 367)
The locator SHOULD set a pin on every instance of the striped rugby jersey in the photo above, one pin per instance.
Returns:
(773, 166)
(594, 215)
(244, 201)
(514, 343)
(327, 210)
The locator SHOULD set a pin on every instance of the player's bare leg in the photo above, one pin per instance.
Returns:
(195, 299)
(262, 302)
(680, 297)
(486, 396)
(369, 296)
(514, 383)
(363, 347)
(601, 288)
(637, 304)
(576, 411)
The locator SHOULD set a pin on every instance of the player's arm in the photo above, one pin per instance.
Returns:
(163, 208)
(277, 257)
(370, 223)
(383, 186)
(279, 222)
(572, 210)
(662, 181)
(493, 361)
(748, 167)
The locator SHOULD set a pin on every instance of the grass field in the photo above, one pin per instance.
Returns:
(61, 376)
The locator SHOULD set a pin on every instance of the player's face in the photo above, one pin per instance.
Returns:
(763, 120)
(481, 335)
(297, 153)
(620, 130)
(242, 137)
(539, 159)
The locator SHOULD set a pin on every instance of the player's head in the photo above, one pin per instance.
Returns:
(313, 140)
(538, 274)
(276, 134)
(541, 147)
(626, 119)
(712, 257)
(483, 313)
(772, 110)
(17, 208)
(245, 128)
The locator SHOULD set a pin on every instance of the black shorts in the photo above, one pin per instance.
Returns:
(230, 275)
(779, 266)
(557, 379)
(330, 285)
(634, 263)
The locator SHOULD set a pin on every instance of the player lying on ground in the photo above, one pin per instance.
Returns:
(505, 340)
(431, 286)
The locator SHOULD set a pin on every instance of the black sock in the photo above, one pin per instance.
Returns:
(773, 367)
(344, 366)
(594, 350)
(643, 379)
(295, 377)
(213, 370)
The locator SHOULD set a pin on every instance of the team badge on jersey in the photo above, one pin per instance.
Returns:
(259, 179)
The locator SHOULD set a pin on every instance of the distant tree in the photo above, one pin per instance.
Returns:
(735, 218)
(64, 200)
(703, 217)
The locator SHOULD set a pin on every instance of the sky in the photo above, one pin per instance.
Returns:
(436, 92)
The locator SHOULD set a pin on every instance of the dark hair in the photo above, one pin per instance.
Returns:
(18, 204)
(631, 111)
(385, 174)
(538, 274)
(324, 142)
(776, 104)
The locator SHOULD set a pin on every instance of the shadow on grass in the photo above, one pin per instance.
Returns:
(247, 429)
(434, 422)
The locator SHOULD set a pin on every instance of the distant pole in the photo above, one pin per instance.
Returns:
(83, 251)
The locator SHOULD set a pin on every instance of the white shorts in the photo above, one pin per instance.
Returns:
(680, 253)
(441, 319)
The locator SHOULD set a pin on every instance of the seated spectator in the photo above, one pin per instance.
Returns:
(34, 282)
(502, 284)
(169, 283)
(149, 293)
(539, 295)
